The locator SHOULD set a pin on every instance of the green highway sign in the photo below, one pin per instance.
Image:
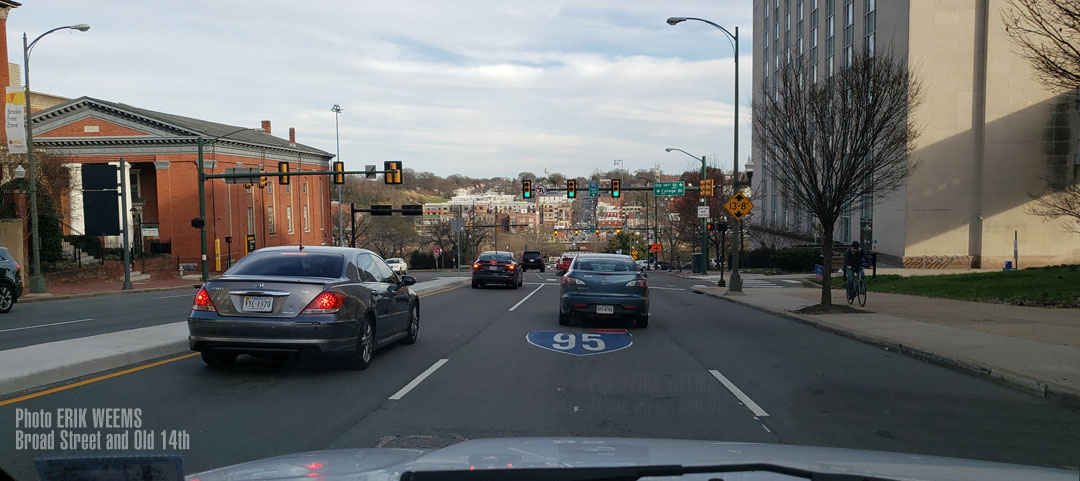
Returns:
(594, 189)
(669, 188)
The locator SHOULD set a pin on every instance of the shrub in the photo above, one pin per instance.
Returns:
(794, 259)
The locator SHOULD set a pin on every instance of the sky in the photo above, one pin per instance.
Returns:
(481, 88)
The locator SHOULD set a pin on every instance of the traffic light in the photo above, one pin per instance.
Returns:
(556, 232)
(571, 189)
(616, 187)
(577, 232)
(393, 172)
(709, 226)
(618, 231)
(526, 189)
(339, 166)
(707, 188)
(262, 178)
(283, 167)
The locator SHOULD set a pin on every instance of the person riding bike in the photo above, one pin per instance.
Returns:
(854, 257)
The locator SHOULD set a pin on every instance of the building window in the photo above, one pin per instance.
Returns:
(830, 37)
(871, 26)
(251, 220)
(303, 188)
(270, 220)
(133, 186)
(288, 188)
(845, 229)
(288, 218)
(270, 186)
(307, 226)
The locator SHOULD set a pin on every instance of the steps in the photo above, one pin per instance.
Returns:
(139, 276)
(71, 252)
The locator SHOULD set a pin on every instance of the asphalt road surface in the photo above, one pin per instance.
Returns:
(703, 369)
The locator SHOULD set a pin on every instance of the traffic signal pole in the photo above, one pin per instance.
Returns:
(202, 215)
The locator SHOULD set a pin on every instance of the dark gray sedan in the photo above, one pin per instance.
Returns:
(334, 301)
(604, 285)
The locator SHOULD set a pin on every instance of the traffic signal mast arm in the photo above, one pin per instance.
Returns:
(295, 173)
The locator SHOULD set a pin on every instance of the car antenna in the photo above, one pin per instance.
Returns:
(301, 245)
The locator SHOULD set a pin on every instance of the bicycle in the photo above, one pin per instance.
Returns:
(860, 290)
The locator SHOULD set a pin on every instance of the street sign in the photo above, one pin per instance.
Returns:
(738, 205)
(634, 253)
(254, 179)
(669, 188)
(594, 189)
(654, 247)
(703, 212)
(436, 249)
(457, 225)
(250, 239)
(541, 190)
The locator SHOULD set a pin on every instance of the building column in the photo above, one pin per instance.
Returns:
(75, 199)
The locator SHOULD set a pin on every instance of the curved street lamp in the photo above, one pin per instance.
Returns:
(37, 282)
(704, 232)
(201, 141)
(735, 284)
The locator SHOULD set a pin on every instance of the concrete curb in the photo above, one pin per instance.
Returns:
(104, 293)
(31, 367)
(1052, 391)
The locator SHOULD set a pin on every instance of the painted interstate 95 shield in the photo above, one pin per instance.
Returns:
(598, 341)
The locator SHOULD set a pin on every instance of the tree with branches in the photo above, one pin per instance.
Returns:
(831, 141)
(1047, 34)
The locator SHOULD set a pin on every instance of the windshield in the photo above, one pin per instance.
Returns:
(290, 264)
(234, 230)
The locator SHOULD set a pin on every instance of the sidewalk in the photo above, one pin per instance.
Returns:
(98, 288)
(1030, 348)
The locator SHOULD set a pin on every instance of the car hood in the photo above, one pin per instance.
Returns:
(517, 453)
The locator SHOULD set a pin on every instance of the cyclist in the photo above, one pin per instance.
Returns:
(854, 257)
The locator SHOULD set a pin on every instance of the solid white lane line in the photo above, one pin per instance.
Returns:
(528, 296)
(667, 288)
(743, 398)
(416, 382)
(45, 325)
(791, 281)
(552, 280)
(192, 295)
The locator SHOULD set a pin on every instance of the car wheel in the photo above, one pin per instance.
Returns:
(218, 359)
(7, 298)
(564, 318)
(475, 285)
(414, 325)
(365, 346)
(541, 268)
(642, 321)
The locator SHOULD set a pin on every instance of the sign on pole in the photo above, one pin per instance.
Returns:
(541, 190)
(254, 179)
(703, 212)
(250, 244)
(738, 205)
(669, 188)
(594, 189)
(654, 247)
(15, 124)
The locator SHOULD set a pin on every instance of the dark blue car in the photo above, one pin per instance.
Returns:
(604, 286)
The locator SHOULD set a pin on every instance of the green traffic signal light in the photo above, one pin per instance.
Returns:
(616, 187)
(571, 189)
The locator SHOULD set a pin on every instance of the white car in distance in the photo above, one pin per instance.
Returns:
(398, 265)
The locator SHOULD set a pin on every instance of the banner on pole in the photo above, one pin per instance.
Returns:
(15, 124)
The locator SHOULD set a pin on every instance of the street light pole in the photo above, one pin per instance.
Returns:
(704, 221)
(336, 109)
(202, 198)
(735, 281)
(37, 282)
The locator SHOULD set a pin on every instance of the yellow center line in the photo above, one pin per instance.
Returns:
(96, 379)
(440, 292)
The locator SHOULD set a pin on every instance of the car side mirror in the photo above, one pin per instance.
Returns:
(643, 274)
(408, 280)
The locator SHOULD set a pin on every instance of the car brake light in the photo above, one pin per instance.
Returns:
(511, 267)
(637, 283)
(571, 280)
(325, 303)
(203, 302)
(476, 266)
(492, 262)
(17, 267)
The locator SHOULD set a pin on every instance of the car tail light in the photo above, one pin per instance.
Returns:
(637, 283)
(203, 302)
(510, 266)
(325, 303)
(571, 280)
(476, 266)
(17, 267)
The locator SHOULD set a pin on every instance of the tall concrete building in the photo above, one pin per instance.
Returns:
(991, 135)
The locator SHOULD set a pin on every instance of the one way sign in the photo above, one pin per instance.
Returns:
(738, 205)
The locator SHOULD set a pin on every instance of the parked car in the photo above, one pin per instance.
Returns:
(663, 266)
(496, 267)
(333, 301)
(398, 265)
(11, 287)
(532, 260)
(604, 285)
(642, 264)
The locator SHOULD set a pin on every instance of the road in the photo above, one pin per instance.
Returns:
(703, 369)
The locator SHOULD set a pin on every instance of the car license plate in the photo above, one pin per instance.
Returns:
(493, 268)
(258, 304)
(605, 309)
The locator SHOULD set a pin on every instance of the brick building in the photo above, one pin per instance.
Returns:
(161, 153)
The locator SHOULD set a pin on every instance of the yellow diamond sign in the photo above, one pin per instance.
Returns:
(739, 205)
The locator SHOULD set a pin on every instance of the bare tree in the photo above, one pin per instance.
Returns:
(831, 141)
(1060, 203)
(1047, 34)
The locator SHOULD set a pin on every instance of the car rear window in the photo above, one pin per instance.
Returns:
(496, 257)
(290, 264)
(531, 255)
(604, 264)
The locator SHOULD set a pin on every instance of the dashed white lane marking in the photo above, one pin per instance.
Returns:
(45, 325)
(743, 398)
(416, 382)
(667, 288)
(791, 281)
(527, 297)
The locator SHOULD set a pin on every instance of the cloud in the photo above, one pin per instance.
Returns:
(473, 87)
